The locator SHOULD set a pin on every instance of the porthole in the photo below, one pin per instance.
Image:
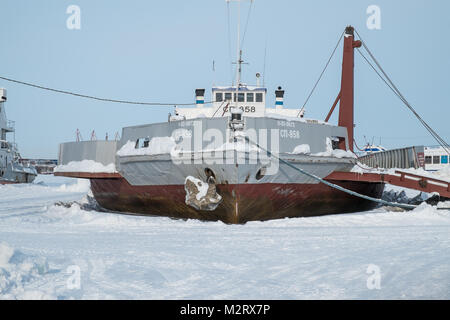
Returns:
(261, 173)
(210, 176)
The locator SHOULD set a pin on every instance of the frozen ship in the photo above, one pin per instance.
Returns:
(233, 160)
(11, 170)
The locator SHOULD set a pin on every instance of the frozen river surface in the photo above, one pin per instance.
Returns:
(54, 251)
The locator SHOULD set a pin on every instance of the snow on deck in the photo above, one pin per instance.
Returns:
(45, 247)
(337, 153)
(89, 166)
(443, 174)
(156, 146)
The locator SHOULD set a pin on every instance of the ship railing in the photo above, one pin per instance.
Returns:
(11, 125)
(404, 158)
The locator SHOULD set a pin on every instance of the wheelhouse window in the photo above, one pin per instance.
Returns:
(259, 97)
(250, 97)
(227, 96)
(219, 96)
(436, 159)
(444, 159)
(241, 97)
(428, 160)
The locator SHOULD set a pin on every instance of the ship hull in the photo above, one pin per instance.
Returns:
(17, 178)
(245, 183)
(3, 182)
(241, 203)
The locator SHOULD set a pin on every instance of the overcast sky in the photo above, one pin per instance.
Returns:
(160, 51)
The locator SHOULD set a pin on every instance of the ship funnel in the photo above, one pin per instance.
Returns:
(2, 95)
(200, 97)
(279, 98)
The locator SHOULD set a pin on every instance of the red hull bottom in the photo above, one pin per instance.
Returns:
(3, 182)
(241, 203)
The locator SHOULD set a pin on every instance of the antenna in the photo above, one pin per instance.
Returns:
(214, 72)
(79, 137)
(239, 60)
(93, 136)
(365, 139)
(264, 67)
(239, 63)
(239, 53)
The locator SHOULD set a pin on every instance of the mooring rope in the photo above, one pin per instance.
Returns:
(332, 185)
(321, 74)
(387, 80)
(97, 98)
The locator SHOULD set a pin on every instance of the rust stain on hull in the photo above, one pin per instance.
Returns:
(241, 203)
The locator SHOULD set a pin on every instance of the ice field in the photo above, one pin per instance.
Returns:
(54, 244)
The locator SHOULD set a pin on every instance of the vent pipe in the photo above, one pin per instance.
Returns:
(200, 97)
(279, 98)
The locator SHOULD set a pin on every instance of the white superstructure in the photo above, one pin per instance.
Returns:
(436, 158)
(252, 100)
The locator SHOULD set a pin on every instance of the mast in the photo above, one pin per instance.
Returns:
(239, 60)
(238, 50)
(346, 107)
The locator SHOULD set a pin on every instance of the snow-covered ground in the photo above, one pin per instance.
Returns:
(54, 251)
